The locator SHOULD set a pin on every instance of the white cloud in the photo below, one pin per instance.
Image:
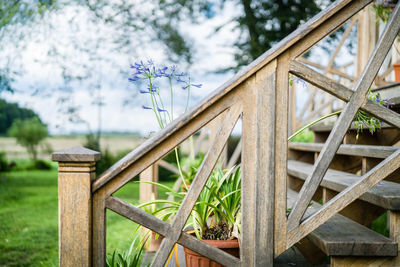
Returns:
(42, 71)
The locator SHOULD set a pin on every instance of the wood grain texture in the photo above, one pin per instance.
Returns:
(163, 228)
(380, 152)
(149, 157)
(75, 215)
(280, 161)
(345, 197)
(340, 236)
(385, 195)
(248, 198)
(265, 161)
(344, 121)
(394, 231)
(342, 92)
(296, 36)
(76, 154)
(207, 166)
(359, 211)
(337, 261)
(99, 228)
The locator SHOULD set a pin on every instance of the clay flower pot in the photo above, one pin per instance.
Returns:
(155, 243)
(194, 259)
(396, 68)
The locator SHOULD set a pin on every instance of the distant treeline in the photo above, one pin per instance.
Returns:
(11, 111)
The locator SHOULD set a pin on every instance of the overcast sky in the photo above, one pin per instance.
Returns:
(41, 71)
(122, 111)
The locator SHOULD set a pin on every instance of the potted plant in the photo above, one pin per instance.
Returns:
(215, 218)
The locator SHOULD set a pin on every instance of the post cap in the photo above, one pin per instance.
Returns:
(76, 154)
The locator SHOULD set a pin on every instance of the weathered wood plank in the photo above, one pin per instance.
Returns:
(281, 135)
(75, 217)
(381, 152)
(248, 198)
(163, 148)
(75, 174)
(306, 29)
(207, 166)
(99, 228)
(342, 236)
(342, 92)
(345, 197)
(359, 211)
(338, 261)
(163, 228)
(75, 155)
(384, 195)
(381, 112)
(344, 121)
(394, 231)
(266, 102)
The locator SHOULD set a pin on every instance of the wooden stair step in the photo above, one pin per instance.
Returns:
(385, 194)
(348, 149)
(340, 236)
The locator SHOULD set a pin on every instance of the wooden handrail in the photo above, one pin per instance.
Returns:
(259, 96)
(252, 68)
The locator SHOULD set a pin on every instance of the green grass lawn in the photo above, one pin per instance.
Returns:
(29, 224)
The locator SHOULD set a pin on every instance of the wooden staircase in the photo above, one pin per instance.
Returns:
(348, 182)
(346, 237)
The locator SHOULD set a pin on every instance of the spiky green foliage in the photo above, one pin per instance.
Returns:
(218, 205)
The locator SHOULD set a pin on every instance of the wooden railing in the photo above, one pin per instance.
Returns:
(259, 95)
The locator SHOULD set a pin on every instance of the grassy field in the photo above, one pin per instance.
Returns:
(114, 143)
(28, 219)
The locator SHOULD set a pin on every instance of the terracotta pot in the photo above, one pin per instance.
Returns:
(396, 68)
(194, 259)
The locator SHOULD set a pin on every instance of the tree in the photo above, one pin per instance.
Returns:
(106, 33)
(10, 112)
(29, 134)
(262, 23)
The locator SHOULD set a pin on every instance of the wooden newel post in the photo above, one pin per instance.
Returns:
(76, 170)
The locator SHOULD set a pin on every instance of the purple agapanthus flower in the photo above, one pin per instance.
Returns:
(387, 103)
(156, 77)
(179, 80)
(197, 85)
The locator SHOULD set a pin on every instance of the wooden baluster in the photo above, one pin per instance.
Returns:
(75, 173)
(257, 244)
(148, 192)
